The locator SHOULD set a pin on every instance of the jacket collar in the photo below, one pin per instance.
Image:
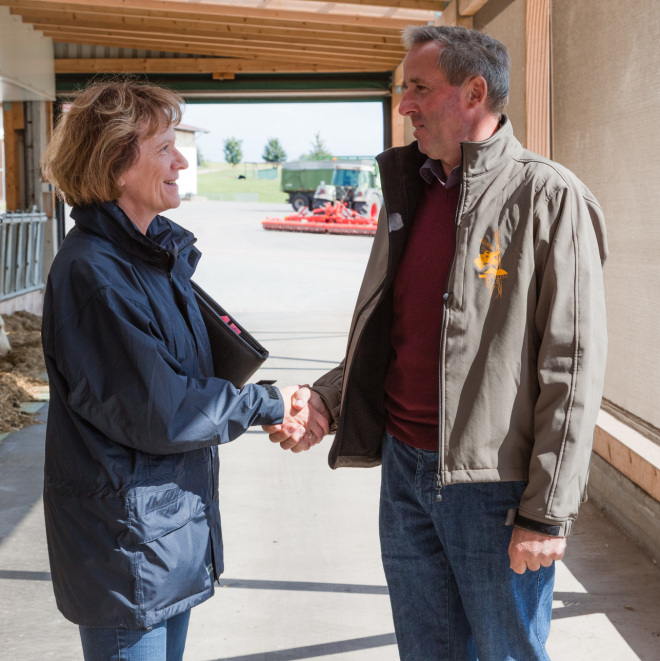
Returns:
(404, 163)
(161, 245)
(402, 183)
(490, 154)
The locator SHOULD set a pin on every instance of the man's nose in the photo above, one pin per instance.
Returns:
(406, 107)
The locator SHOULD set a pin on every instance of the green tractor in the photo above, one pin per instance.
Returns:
(356, 184)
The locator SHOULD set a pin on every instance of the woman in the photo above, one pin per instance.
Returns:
(131, 474)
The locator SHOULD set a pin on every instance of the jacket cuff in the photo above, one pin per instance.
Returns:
(332, 401)
(552, 529)
(272, 409)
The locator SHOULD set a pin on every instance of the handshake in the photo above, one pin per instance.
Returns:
(306, 420)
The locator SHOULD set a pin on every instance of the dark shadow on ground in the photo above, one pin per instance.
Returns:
(21, 473)
(312, 651)
(302, 586)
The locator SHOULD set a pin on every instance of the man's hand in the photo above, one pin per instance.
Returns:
(530, 550)
(305, 423)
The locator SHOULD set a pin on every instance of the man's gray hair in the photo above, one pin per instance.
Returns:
(465, 54)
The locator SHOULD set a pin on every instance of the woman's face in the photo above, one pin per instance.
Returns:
(149, 186)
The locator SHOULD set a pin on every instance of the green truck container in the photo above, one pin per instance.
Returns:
(300, 179)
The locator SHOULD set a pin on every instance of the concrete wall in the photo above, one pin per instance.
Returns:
(27, 66)
(505, 20)
(606, 105)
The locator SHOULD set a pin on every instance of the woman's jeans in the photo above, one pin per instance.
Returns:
(162, 642)
(454, 596)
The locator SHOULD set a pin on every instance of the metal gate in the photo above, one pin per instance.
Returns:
(21, 253)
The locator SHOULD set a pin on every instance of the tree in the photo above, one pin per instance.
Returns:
(319, 151)
(233, 151)
(274, 152)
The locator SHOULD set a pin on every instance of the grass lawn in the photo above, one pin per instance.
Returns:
(219, 181)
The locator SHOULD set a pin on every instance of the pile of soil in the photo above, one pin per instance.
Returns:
(22, 371)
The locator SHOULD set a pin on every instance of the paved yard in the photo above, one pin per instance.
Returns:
(303, 577)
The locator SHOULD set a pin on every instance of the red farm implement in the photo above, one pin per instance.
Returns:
(334, 218)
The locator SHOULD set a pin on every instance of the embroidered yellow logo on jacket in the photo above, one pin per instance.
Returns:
(489, 261)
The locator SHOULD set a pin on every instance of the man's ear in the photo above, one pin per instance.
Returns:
(477, 91)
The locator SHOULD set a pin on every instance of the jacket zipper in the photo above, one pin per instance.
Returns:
(215, 573)
(443, 341)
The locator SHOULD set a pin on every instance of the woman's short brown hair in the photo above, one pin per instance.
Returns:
(97, 140)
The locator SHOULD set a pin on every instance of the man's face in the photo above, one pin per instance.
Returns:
(438, 110)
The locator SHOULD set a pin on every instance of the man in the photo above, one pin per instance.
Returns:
(475, 362)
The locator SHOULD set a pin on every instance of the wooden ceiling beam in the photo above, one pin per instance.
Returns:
(300, 53)
(470, 7)
(322, 15)
(195, 65)
(307, 27)
(219, 48)
(93, 19)
(246, 39)
(421, 5)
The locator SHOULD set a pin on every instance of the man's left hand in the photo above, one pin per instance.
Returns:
(530, 550)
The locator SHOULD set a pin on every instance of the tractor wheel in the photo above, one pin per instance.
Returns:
(318, 203)
(368, 209)
(299, 201)
(361, 208)
(374, 209)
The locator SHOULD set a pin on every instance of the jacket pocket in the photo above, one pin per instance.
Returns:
(158, 511)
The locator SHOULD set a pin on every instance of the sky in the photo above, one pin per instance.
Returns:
(347, 129)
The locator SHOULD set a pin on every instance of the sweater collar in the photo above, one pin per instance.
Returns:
(161, 245)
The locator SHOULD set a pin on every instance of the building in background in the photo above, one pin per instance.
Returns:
(185, 143)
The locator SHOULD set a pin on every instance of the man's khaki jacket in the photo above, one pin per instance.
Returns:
(523, 341)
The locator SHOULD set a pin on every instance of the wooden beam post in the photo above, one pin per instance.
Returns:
(451, 16)
(398, 139)
(14, 122)
(537, 76)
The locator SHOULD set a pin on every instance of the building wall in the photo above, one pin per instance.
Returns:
(505, 20)
(185, 143)
(605, 109)
(27, 69)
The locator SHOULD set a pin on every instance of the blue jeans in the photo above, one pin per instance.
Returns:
(162, 642)
(454, 596)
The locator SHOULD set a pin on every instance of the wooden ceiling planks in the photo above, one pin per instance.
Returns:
(355, 35)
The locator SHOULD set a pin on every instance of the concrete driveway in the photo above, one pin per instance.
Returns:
(303, 576)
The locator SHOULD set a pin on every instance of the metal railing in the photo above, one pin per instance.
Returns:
(21, 253)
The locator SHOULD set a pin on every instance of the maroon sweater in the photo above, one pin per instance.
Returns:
(412, 388)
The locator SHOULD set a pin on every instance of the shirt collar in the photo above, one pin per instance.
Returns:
(432, 169)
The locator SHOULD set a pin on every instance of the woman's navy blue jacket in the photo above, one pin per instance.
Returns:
(131, 474)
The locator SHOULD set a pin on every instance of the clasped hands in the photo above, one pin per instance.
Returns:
(306, 420)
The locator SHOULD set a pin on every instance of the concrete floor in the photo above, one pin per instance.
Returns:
(303, 576)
